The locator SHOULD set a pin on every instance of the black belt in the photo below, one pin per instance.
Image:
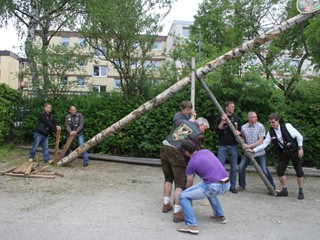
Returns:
(225, 181)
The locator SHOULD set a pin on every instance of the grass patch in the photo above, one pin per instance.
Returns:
(11, 155)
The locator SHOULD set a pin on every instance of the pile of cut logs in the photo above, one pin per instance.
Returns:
(31, 170)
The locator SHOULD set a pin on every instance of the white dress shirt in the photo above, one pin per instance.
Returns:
(292, 131)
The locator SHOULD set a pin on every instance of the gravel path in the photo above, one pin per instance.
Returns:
(123, 201)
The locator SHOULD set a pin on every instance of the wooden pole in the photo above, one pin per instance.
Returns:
(64, 150)
(238, 138)
(193, 80)
(56, 147)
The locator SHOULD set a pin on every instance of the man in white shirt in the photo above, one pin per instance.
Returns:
(289, 143)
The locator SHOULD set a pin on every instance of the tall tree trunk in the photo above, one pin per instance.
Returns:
(29, 47)
(201, 72)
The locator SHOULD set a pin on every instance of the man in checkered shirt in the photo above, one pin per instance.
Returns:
(253, 134)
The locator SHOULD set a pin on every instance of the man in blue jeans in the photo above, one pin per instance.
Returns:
(215, 182)
(227, 141)
(74, 126)
(45, 125)
(253, 134)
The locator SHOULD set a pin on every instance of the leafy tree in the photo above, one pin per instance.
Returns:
(43, 18)
(124, 33)
(62, 61)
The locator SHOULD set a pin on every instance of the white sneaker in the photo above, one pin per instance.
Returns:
(30, 160)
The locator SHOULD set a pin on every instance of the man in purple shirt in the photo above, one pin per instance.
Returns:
(215, 182)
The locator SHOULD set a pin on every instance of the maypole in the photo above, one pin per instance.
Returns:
(201, 72)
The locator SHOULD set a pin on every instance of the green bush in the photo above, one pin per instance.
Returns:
(9, 101)
(143, 137)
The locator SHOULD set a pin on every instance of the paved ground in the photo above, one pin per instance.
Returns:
(123, 201)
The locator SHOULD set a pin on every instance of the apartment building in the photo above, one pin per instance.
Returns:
(11, 66)
(99, 73)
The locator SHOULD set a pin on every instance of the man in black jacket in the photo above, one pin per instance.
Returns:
(45, 125)
(228, 144)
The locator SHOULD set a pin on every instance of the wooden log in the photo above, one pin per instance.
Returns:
(20, 168)
(8, 170)
(56, 146)
(56, 149)
(46, 173)
(29, 176)
(42, 169)
(28, 168)
(58, 174)
(65, 149)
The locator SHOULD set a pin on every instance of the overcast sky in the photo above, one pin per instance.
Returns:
(181, 10)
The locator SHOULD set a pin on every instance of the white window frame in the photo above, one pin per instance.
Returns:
(101, 69)
(185, 32)
(116, 82)
(98, 52)
(157, 45)
(99, 88)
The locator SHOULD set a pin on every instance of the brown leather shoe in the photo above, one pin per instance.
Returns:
(166, 208)
(178, 217)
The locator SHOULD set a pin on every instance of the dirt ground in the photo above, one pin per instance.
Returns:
(110, 200)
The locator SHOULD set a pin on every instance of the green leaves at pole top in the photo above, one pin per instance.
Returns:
(308, 6)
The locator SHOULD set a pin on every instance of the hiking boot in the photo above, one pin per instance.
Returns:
(85, 164)
(282, 194)
(30, 160)
(189, 229)
(178, 217)
(220, 219)
(166, 208)
(301, 196)
(240, 189)
(233, 190)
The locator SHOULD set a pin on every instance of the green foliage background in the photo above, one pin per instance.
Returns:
(143, 137)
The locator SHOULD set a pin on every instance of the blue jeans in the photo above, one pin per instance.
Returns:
(200, 191)
(80, 142)
(44, 141)
(233, 154)
(263, 164)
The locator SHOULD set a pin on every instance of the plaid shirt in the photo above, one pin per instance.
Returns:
(252, 133)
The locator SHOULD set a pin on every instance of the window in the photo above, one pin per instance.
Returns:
(100, 71)
(64, 81)
(98, 88)
(134, 65)
(80, 81)
(118, 62)
(65, 41)
(153, 64)
(291, 62)
(185, 32)
(82, 42)
(156, 46)
(136, 45)
(116, 83)
(81, 62)
(100, 51)
(294, 62)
